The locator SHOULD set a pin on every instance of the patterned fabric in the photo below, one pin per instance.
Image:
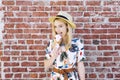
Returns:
(67, 59)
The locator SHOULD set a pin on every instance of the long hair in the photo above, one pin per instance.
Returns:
(68, 36)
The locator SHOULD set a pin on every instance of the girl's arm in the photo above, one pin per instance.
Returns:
(81, 70)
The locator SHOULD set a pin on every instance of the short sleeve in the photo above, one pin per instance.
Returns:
(48, 50)
(80, 54)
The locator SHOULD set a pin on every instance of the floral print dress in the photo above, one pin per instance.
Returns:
(67, 60)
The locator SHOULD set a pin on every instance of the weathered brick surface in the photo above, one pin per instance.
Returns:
(25, 30)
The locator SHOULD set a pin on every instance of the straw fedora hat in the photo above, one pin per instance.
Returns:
(65, 16)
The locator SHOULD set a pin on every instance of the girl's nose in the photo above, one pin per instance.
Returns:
(58, 30)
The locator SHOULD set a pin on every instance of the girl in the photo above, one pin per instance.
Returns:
(64, 54)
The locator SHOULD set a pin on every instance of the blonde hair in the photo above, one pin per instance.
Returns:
(68, 36)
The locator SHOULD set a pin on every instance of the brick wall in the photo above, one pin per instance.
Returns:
(25, 30)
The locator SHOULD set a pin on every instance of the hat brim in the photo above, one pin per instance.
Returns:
(51, 20)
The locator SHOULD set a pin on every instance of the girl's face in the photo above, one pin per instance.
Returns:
(60, 28)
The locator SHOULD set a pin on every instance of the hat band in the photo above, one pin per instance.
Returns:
(62, 16)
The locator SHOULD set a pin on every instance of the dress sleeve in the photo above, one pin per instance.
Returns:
(48, 50)
(81, 56)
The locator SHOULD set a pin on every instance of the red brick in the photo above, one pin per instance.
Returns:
(11, 64)
(90, 9)
(32, 20)
(113, 31)
(106, 8)
(109, 3)
(99, 31)
(91, 36)
(92, 75)
(36, 69)
(40, 26)
(9, 75)
(28, 63)
(102, 70)
(35, 58)
(65, 8)
(7, 70)
(87, 14)
(23, 14)
(118, 36)
(97, 19)
(75, 3)
(8, 2)
(95, 64)
(82, 20)
(55, 8)
(13, 8)
(29, 3)
(111, 54)
(107, 36)
(90, 47)
(114, 19)
(8, 36)
(42, 75)
(118, 41)
(46, 30)
(34, 75)
(48, 8)
(40, 14)
(44, 20)
(19, 69)
(41, 52)
(28, 53)
(5, 58)
(23, 25)
(19, 47)
(35, 47)
(37, 3)
(104, 58)
(30, 41)
(109, 75)
(109, 14)
(112, 41)
(117, 47)
(78, 14)
(93, 3)
(9, 25)
(18, 75)
(24, 8)
(101, 75)
(8, 14)
(38, 41)
(87, 41)
(82, 31)
(73, 8)
(115, 69)
(117, 75)
(31, 30)
(105, 48)
(92, 25)
(58, 3)
(15, 19)
(110, 64)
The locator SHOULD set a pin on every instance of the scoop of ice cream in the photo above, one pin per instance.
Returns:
(58, 37)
